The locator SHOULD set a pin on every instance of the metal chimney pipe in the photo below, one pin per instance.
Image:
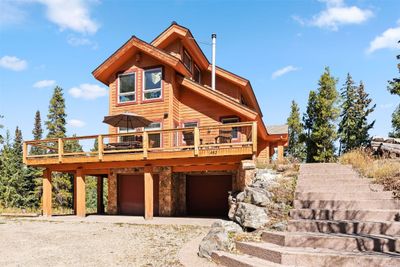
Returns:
(214, 41)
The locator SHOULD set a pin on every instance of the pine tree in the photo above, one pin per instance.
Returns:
(347, 127)
(321, 124)
(394, 88)
(363, 110)
(308, 121)
(56, 118)
(296, 146)
(37, 134)
(1, 127)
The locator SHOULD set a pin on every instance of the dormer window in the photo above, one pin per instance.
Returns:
(126, 88)
(187, 60)
(196, 74)
(152, 85)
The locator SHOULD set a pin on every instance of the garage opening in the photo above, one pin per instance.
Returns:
(131, 194)
(207, 195)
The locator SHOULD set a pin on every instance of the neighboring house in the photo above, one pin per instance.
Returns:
(190, 156)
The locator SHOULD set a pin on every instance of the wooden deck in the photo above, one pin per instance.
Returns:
(204, 144)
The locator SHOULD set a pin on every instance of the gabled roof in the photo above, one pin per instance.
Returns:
(124, 53)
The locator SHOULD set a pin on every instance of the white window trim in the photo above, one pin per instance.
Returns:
(151, 90)
(190, 68)
(124, 94)
(130, 130)
(196, 67)
(158, 129)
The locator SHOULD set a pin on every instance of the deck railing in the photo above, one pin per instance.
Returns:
(197, 141)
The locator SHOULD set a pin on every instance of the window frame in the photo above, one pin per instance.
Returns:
(144, 99)
(183, 126)
(198, 69)
(123, 94)
(190, 67)
(158, 129)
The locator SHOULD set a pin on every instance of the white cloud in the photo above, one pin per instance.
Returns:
(88, 91)
(283, 71)
(13, 63)
(72, 14)
(336, 14)
(388, 39)
(44, 83)
(11, 13)
(76, 123)
(81, 41)
(386, 106)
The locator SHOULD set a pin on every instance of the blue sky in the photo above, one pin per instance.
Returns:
(281, 46)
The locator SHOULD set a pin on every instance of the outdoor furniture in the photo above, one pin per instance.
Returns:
(123, 145)
(224, 136)
(188, 138)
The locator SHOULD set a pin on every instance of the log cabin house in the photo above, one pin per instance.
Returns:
(201, 143)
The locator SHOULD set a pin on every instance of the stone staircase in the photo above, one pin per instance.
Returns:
(339, 219)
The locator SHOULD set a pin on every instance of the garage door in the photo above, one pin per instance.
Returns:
(207, 195)
(131, 194)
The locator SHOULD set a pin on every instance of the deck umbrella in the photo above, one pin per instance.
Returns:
(128, 120)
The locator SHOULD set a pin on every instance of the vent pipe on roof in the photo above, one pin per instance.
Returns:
(214, 41)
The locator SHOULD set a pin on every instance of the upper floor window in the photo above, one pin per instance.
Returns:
(196, 74)
(152, 85)
(187, 60)
(126, 87)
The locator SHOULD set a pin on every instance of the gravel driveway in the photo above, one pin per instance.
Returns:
(44, 243)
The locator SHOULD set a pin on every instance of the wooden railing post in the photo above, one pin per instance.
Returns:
(24, 152)
(145, 144)
(100, 147)
(196, 141)
(60, 149)
(254, 136)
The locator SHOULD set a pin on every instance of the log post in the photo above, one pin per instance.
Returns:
(100, 203)
(24, 152)
(145, 144)
(47, 193)
(254, 136)
(60, 149)
(100, 147)
(196, 141)
(280, 152)
(148, 193)
(80, 193)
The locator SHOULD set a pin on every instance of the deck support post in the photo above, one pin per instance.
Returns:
(254, 136)
(100, 203)
(47, 193)
(148, 192)
(80, 188)
(280, 152)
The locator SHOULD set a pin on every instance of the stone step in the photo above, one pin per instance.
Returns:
(364, 215)
(339, 188)
(241, 260)
(385, 204)
(316, 257)
(343, 182)
(345, 227)
(343, 196)
(339, 242)
(332, 176)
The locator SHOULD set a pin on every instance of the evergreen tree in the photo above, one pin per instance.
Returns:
(308, 121)
(1, 127)
(56, 118)
(321, 124)
(347, 127)
(363, 110)
(296, 146)
(394, 88)
(37, 134)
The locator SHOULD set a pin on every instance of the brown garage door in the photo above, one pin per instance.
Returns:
(207, 195)
(131, 194)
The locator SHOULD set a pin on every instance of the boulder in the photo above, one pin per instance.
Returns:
(258, 196)
(218, 238)
(250, 216)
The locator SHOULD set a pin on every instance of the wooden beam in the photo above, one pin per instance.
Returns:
(100, 203)
(60, 149)
(80, 193)
(280, 152)
(145, 144)
(199, 168)
(47, 193)
(196, 141)
(148, 193)
(100, 147)
(254, 136)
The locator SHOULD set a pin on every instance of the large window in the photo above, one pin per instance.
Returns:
(188, 136)
(187, 60)
(154, 138)
(130, 138)
(126, 88)
(196, 74)
(152, 85)
(235, 130)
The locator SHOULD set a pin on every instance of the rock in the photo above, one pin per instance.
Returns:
(232, 211)
(218, 238)
(241, 197)
(250, 216)
(248, 165)
(258, 196)
(280, 226)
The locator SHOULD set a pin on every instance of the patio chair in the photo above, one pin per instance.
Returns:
(188, 137)
(224, 136)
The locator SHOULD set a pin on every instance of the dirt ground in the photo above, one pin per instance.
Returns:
(52, 243)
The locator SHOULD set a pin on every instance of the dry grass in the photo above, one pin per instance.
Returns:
(383, 171)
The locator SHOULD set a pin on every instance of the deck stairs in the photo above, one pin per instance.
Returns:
(339, 219)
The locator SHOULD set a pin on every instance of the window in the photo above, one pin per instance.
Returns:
(154, 138)
(187, 60)
(196, 74)
(188, 136)
(130, 138)
(126, 88)
(235, 130)
(191, 124)
(152, 84)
